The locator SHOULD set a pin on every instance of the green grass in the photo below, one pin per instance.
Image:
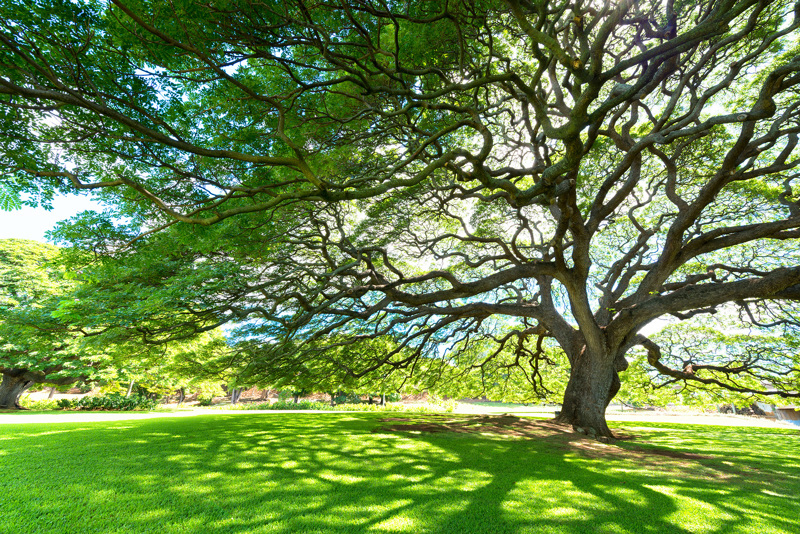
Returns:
(289, 473)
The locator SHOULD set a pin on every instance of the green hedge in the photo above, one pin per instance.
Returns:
(40, 405)
(111, 401)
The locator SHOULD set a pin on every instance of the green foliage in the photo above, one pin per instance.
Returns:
(288, 367)
(33, 286)
(513, 372)
(196, 364)
(41, 405)
(28, 273)
(285, 395)
(49, 309)
(285, 405)
(205, 401)
(347, 398)
(393, 397)
(111, 401)
(153, 291)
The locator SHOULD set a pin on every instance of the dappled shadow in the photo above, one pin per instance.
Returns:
(526, 428)
(344, 473)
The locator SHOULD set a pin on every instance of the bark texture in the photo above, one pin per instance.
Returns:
(594, 381)
(587, 394)
(16, 381)
(11, 389)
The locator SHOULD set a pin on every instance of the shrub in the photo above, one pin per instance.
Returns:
(285, 405)
(347, 398)
(112, 401)
(287, 395)
(390, 397)
(44, 404)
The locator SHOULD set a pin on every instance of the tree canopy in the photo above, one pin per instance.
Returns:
(477, 179)
(49, 336)
(35, 346)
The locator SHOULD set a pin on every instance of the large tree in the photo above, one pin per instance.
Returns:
(475, 178)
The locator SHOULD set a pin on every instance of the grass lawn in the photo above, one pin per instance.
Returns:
(290, 473)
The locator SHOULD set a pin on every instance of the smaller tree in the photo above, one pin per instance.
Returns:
(36, 347)
(162, 369)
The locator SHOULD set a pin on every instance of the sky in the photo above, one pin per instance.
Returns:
(32, 223)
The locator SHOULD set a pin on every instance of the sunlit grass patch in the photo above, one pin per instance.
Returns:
(286, 473)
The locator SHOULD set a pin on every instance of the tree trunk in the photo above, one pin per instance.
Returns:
(296, 398)
(11, 389)
(333, 396)
(181, 396)
(383, 399)
(52, 392)
(593, 382)
(235, 394)
(130, 389)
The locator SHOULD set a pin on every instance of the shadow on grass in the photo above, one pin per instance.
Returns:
(287, 473)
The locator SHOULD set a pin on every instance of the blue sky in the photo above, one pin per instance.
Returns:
(32, 223)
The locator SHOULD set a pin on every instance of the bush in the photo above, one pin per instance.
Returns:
(45, 404)
(286, 405)
(288, 394)
(112, 401)
(347, 398)
(390, 397)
